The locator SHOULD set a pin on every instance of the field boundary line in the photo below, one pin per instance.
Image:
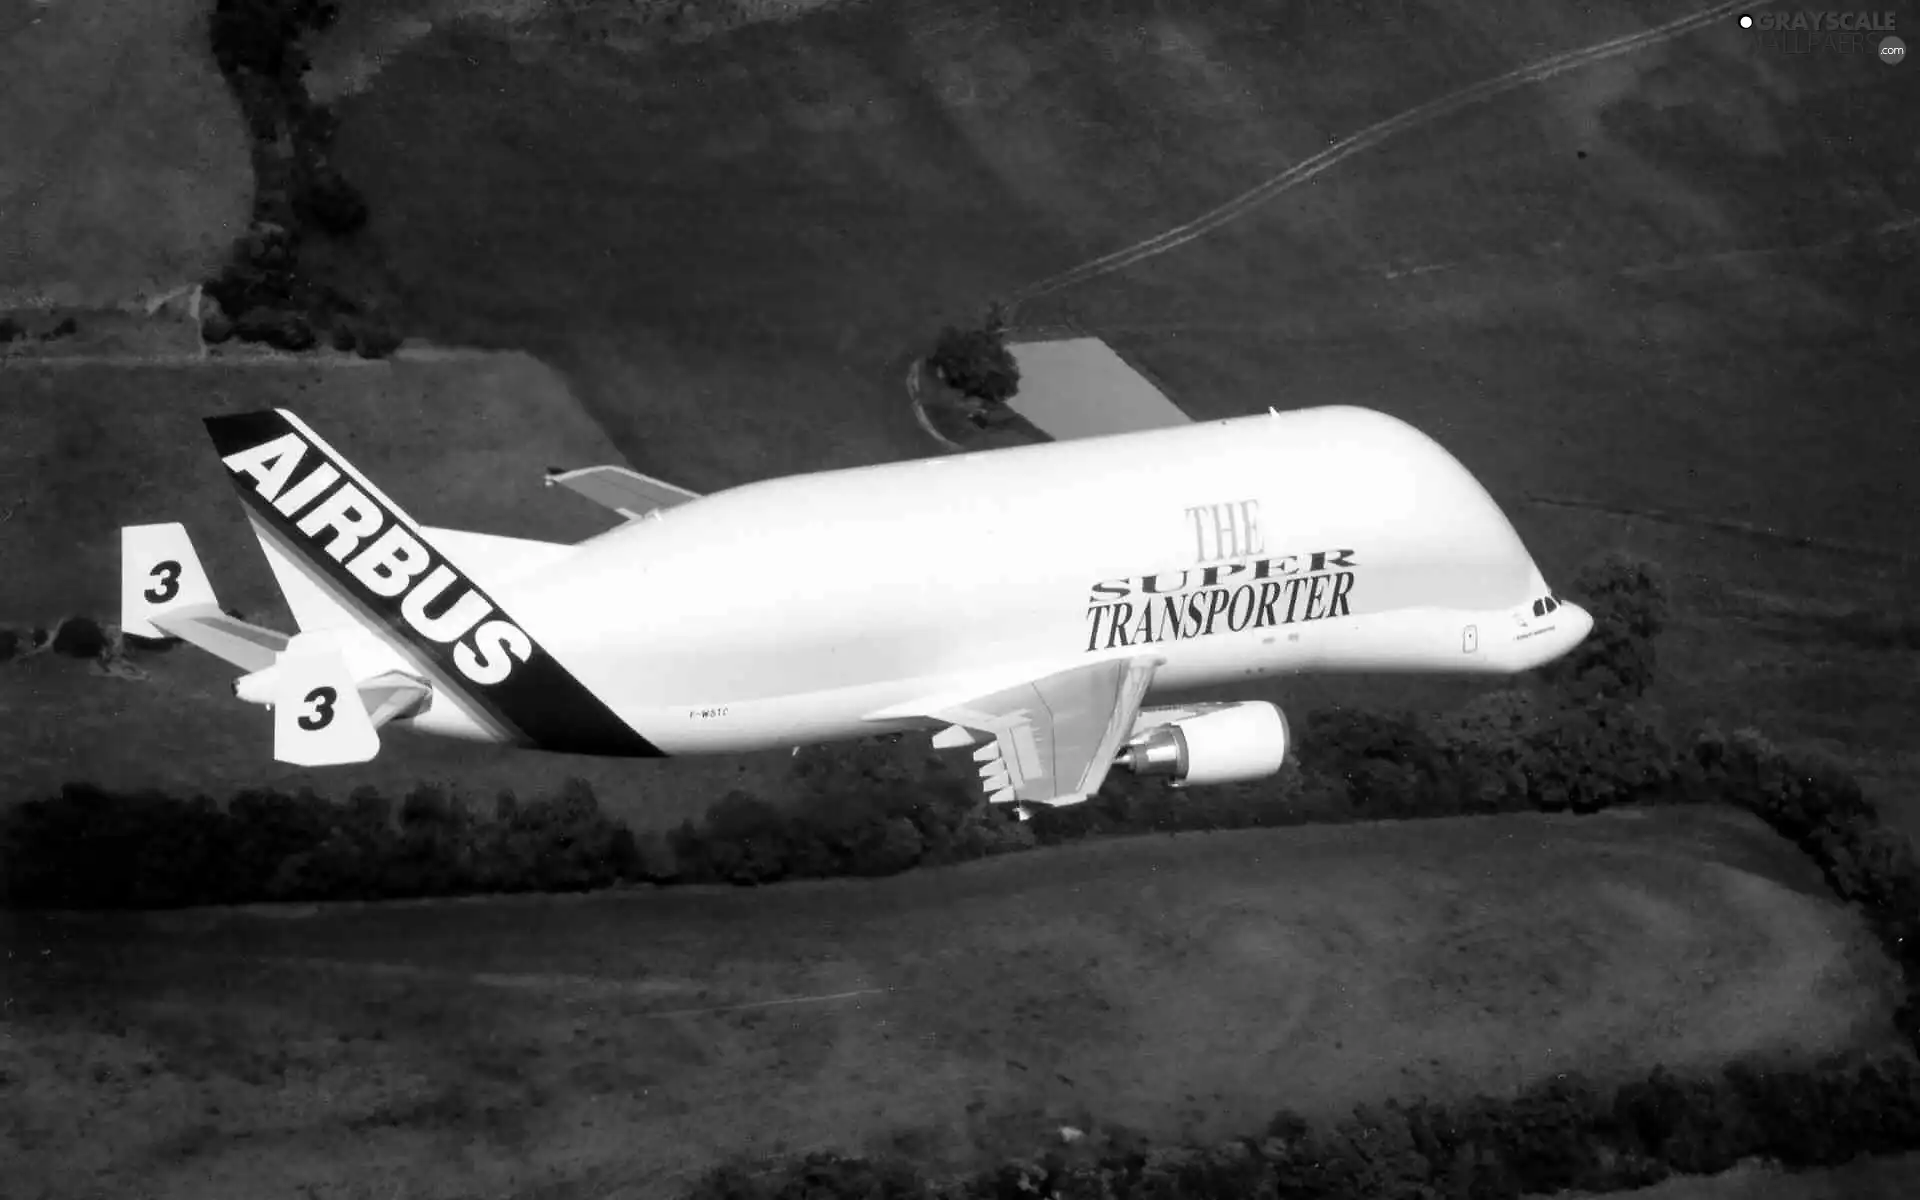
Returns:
(1372, 135)
(562, 987)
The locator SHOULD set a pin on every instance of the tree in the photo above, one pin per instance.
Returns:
(976, 362)
(1628, 601)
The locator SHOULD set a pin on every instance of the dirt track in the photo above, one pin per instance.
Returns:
(1180, 986)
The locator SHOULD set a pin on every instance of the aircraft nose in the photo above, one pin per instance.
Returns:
(1582, 624)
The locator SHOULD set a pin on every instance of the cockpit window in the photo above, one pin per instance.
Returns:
(1552, 603)
(1539, 608)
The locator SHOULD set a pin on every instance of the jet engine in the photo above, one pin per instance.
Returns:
(1209, 743)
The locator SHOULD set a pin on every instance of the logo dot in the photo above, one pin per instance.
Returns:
(1746, 21)
(1892, 50)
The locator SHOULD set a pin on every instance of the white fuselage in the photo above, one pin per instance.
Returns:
(803, 609)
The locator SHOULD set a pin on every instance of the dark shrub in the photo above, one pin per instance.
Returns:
(988, 831)
(822, 1176)
(283, 329)
(9, 644)
(268, 247)
(183, 860)
(11, 330)
(330, 203)
(1628, 600)
(274, 204)
(216, 327)
(80, 637)
(890, 848)
(654, 860)
(689, 849)
(1371, 1153)
(374, 336)
(1490, 744)
(976, 362)
(78, 850)
(1514, 748)
(425, 808)
(868, 767)
(1796, 1113)
(315, 127)
(558, 843)
(1388, 765)
(825, 834)
(1596, 756)
(268, 828)
(92, 848)
(731, 1183)
(1650, 1112)
(747, 840)
(438, 850)
(242, 287)
(1556, 1130)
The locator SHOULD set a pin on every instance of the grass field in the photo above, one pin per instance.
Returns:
(123, 160)
(1670, 284)
(1171, 987)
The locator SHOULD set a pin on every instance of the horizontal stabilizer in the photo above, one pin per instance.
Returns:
(625, 491)
(249, 647)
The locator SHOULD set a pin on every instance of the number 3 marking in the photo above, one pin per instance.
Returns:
(321, 698)
(168, 573)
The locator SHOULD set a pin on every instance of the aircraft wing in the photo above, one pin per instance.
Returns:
(1053, 739)
(626, 492)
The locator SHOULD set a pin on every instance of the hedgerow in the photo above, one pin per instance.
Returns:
(1583, 738)
(263, 294)
(1566, 1133)
(93, 848)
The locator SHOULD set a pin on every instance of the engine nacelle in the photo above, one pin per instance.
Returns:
(261, 687)
(1233, 743)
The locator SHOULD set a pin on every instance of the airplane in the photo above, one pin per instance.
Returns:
(1026, 602)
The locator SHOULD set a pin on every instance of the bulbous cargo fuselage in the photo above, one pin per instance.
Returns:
(787, 610)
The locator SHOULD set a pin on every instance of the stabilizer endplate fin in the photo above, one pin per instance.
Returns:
(319, 718)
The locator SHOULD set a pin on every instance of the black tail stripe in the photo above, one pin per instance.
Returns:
(539, 697)
(402, 646)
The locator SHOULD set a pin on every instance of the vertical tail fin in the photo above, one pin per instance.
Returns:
(354, 547)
